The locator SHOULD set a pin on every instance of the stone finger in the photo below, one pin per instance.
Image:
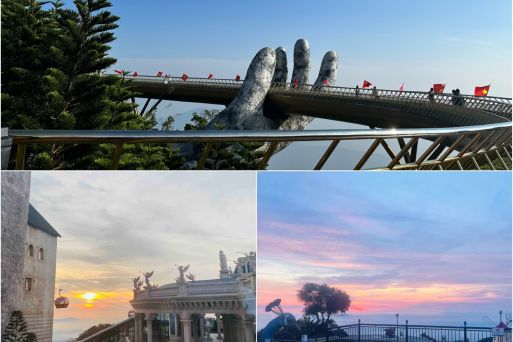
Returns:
(281, 70)
(301, 72)
(252, 93)
(328, 69)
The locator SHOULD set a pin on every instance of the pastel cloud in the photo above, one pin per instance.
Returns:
(394, 246)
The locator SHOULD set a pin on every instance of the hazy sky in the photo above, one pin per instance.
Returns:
(433, 244)
(463, 43)
(116, 226)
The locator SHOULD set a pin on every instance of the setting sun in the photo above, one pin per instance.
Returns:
(89, 296)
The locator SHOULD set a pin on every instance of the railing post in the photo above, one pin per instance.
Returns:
(358, 330)
(6, 147)
(406, 333)
(20, 156)
(116, 156)
(465, 331)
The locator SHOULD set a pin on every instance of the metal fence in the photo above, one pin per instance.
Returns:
(364, 332)
(471, 147)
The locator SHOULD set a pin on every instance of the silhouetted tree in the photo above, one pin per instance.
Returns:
(16, 330)
(322, 301)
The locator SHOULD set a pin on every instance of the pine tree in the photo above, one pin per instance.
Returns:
(52, 67)
(16, 330)
(226, 156)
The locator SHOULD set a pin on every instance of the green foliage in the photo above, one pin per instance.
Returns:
(53, 60)
(227, 156)
(52, 65)
(93, 330)
(322, 301)
(16, 330)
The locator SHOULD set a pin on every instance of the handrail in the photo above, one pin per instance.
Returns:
(234, 82)
(137, 136)
(470, 143)
(112, 327)
(497, 105)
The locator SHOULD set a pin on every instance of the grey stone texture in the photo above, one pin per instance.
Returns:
(240, 113)
(15, 206)
(246, 112)
(301, 71)
(281, 71)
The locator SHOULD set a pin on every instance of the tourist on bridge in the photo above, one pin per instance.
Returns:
(460, 101)
(454, 98)
(431, 95)
(374, 92)
(357, 90)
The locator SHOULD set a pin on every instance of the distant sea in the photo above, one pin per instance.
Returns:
(473, 319)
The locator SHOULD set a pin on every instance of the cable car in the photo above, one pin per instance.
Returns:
(61, 302)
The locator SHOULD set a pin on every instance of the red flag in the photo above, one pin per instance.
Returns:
(210, 76)
(481, 91)
(159, 74)
(438, 87)
(366, 84)
(237, 78)
(296, 83)
(184, 77)
(402, 88)
(135, 74)
(326, 82)
(119, 72)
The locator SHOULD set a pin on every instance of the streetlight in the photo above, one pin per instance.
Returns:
(500, 315)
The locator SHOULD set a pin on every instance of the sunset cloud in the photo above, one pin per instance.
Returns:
(418, 244)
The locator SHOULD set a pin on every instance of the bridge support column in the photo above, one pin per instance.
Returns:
(186, 328)
(149, 327)
(218, 323)
(139, 327)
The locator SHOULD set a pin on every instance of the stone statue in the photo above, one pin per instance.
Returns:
(147, 277)
(137, 283)
(283, 320)
(222, 262)
(247, 112)
(191, 276)
(182, 270)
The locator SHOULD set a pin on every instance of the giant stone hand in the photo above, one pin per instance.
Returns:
(246, 111)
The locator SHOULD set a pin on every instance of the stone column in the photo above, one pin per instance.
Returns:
(139, 326)
(202, 325)
(218, 322)
(186, 321)
(250, 330)
(149, 327)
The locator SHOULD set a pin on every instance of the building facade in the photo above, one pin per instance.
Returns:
(38, 291)
(15, 208)
(176, 311)
(29, 248)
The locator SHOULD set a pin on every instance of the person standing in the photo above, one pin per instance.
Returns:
(431, 95)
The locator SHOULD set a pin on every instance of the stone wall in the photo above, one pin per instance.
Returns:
(15, 206)
(37, 304)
